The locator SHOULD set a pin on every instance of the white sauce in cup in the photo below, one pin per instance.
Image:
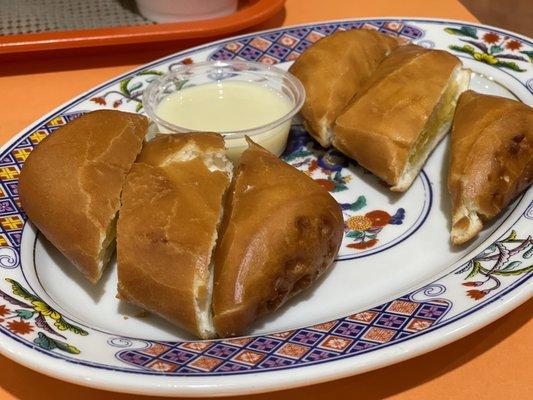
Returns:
(230, 106)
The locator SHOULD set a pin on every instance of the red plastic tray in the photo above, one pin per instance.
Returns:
(250, 13)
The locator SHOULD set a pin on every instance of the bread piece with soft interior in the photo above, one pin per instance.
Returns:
(172, 205)
(401, 113)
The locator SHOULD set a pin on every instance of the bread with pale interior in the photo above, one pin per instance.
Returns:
(491, 159)
(333, 70)
(71, 182)
(281, 231)
(402, 113)
(172, 205)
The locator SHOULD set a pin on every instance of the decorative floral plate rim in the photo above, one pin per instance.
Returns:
(483, 309)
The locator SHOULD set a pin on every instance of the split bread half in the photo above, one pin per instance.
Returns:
(333, 70)
(281, 231)
(172, 204)
(71, 182)
(491, 159)
(402, 113)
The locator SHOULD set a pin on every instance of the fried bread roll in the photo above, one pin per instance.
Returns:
(172, 204)
(333, 70)
(405, 109)
(281, 231)
(491, 159)
(71, 182)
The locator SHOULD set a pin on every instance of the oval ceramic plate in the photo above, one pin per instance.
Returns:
(398, 288)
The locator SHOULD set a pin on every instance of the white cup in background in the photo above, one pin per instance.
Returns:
(163, 11)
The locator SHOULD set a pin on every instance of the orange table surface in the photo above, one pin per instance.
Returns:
(493, 363)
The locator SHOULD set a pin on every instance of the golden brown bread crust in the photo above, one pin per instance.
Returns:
(171, 207)
(71, 182)
(281, 231)
(381, 124)
(491, 159)
(332, 72)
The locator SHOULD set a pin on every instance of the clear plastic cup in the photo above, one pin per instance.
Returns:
(272, 135)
